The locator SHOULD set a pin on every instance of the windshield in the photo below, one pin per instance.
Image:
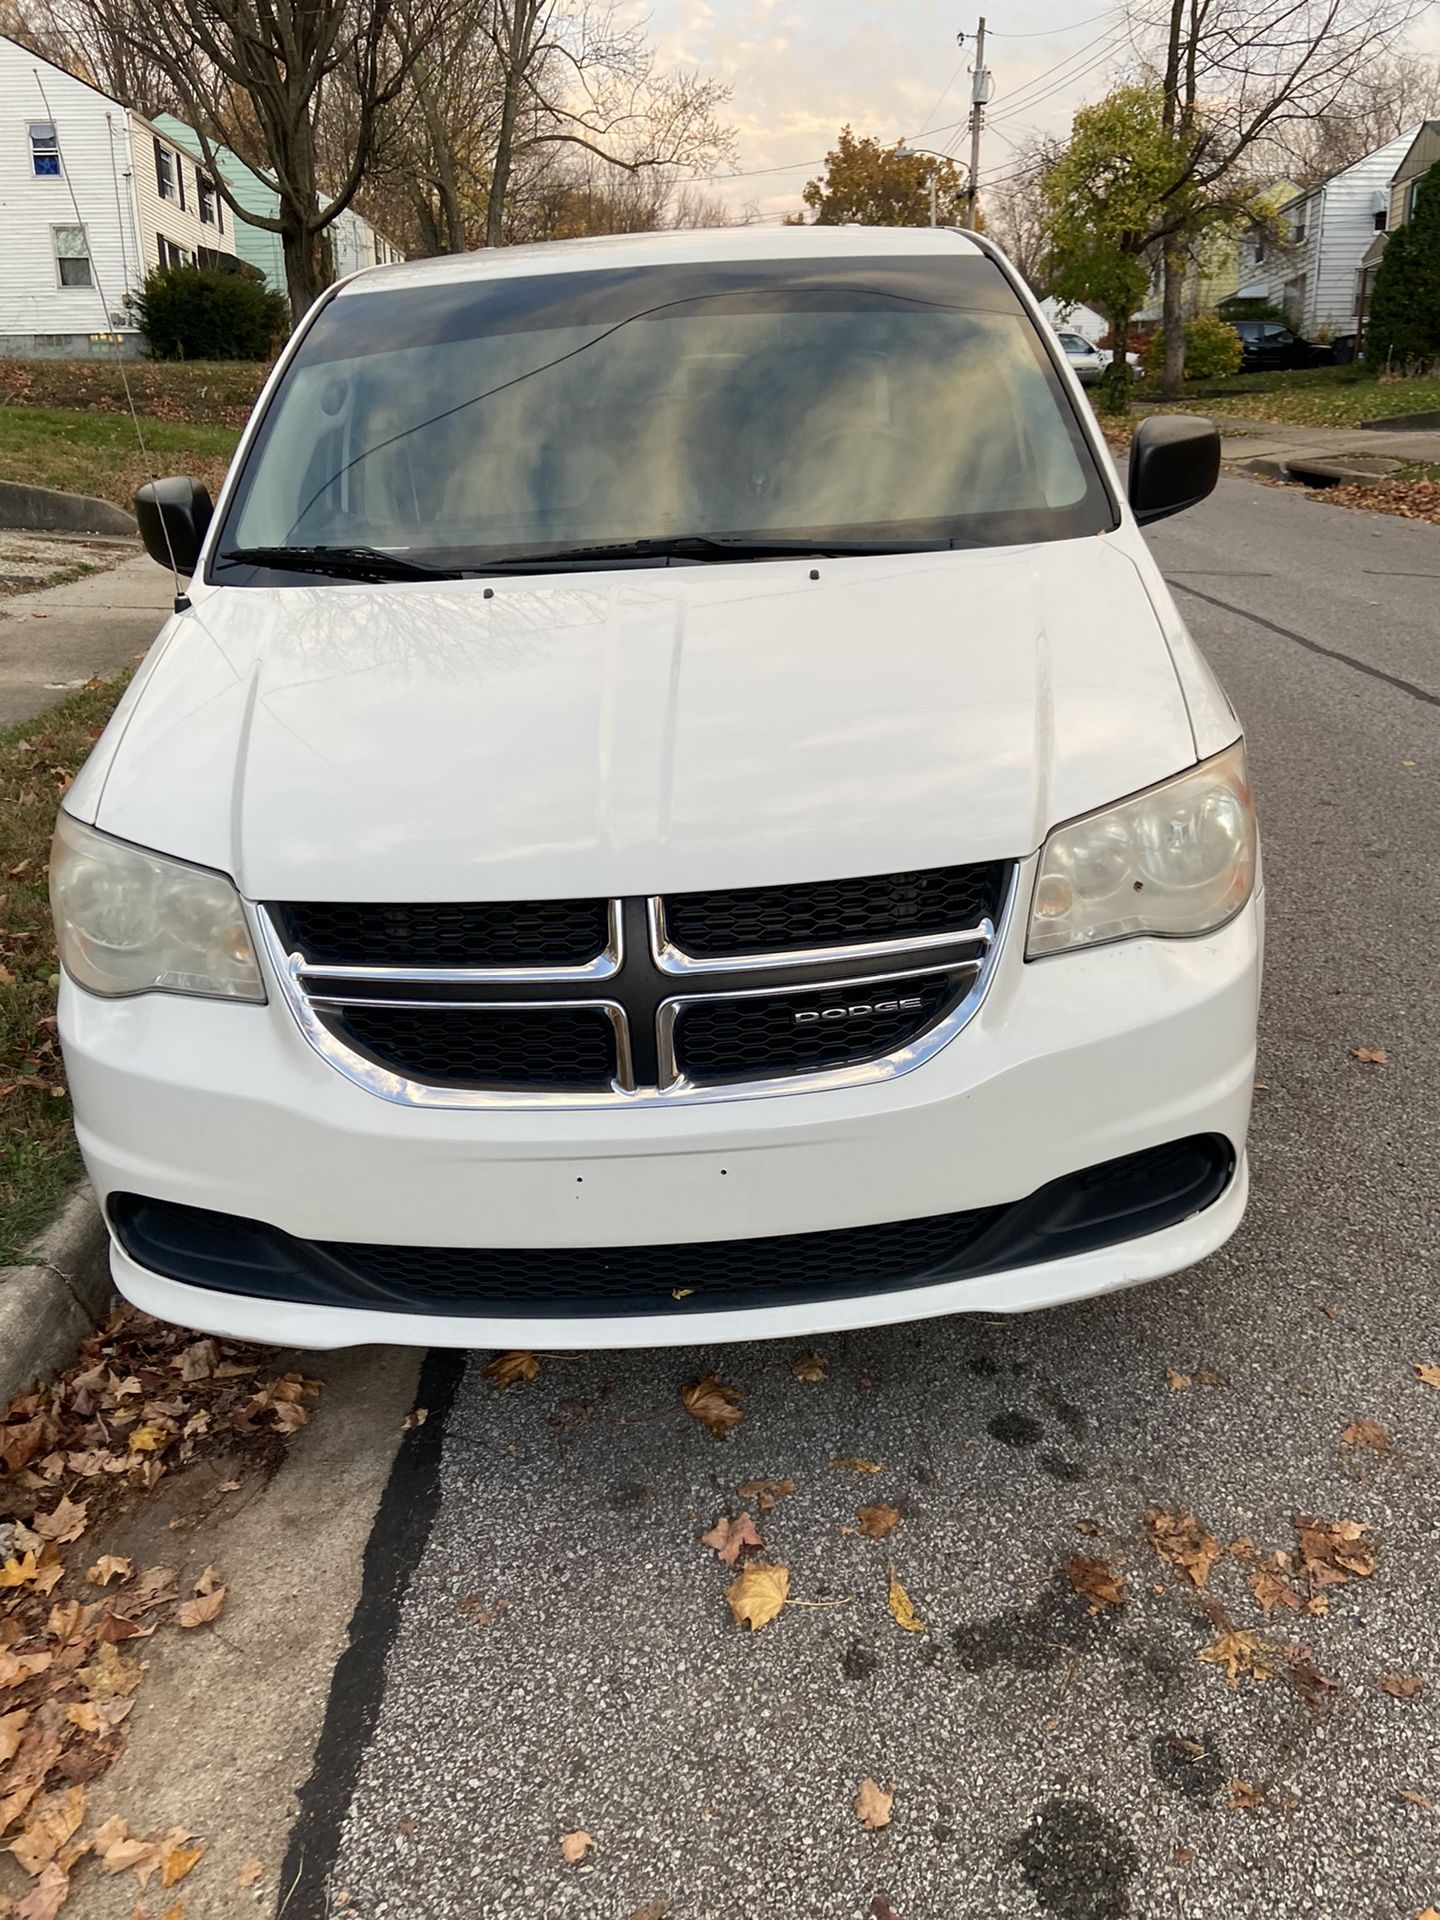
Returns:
(845, 401)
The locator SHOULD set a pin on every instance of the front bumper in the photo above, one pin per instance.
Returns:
(1070, 1061)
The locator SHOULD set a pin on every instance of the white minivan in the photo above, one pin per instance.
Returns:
(675, 806)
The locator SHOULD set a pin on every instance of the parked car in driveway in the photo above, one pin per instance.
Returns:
(1090, 361)
(675, 806)
(1267, 345)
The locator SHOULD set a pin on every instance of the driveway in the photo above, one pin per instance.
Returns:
(58, 637)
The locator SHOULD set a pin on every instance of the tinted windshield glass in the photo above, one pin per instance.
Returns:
(844, 400)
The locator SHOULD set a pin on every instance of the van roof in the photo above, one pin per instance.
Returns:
(676, 247)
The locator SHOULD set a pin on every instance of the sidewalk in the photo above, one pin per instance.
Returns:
(1371, 450)
(59, 637)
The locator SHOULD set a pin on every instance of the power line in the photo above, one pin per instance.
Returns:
(1020, 95)
(1051, 33)
(959, 67)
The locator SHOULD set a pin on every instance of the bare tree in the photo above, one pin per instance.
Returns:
(258, 76)
(1017, 213)
(1376, 106)
(584, 76)
(1235, 73)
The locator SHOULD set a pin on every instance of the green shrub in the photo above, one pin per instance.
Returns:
(209, 313)
(1404, 323)
(1211, 349)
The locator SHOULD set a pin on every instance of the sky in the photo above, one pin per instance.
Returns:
(799, 69)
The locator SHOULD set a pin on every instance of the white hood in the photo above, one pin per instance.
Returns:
(643, 731)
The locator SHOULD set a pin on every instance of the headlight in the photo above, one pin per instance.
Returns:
(1176, 860)
(128, 921)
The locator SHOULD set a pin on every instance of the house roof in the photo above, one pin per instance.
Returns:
(1426, 136)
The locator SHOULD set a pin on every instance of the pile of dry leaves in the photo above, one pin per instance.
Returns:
(142, 1401)
(1410, 499)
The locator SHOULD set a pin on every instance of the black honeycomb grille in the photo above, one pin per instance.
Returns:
(794, 1264)
(531, 933)
(720, 1040)
(832, 913)
(500, 1047)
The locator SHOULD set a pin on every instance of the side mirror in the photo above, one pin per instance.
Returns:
(173, 517)
(1174, 464)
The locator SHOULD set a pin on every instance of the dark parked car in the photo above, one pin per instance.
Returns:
(1267, 344)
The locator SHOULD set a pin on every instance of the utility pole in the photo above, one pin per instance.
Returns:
(980, 89)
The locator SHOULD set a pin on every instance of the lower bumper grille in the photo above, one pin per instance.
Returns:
(1102, 1206)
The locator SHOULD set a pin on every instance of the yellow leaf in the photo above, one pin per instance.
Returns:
(757, 1593)
(873, 1804)
(574, 1847)
(849, 1463)
(508, 1368)
(176, 1862)
(902, 1607)
(148, 1439)
(810, 1366)
(15, 1572)
(714, 1404)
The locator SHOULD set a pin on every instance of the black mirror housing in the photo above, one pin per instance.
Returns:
(1174, 464)
(173, 516)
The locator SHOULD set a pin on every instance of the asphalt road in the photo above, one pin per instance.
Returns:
(544, 1647)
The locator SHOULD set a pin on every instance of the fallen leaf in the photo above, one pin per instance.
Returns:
(15, 1573)
(1332, 1550)
(249, 1874)
(877, 1521)
(1177, 1382)
(1271, 1591)
(201, 1610)
(110, 1566)
(766, 1492)
(416, 1417)
(290, 1416)
(1428, 1371)
(1239, 1652)
(507, 1369)
(681, 1293)
(873, 1804)
(881, 1909)
(12, 1725)
(810, 1366)
(1370, 1056)
(902, 1607)
(1403, 1686)
(50, 1824)
(110, 1674)
(574, 1847)
(757, 1593)
(1097, 1580)
(1207, 1379)
(1413, 1798)
(1244, 1797)
(729, 1537)
(150, 1439)
(1183, 1541)
(715, 1405)
(66, 1523)
(1365, 1433)
(47, 1896)
(850, 1463)
(197, 1361)
(176, 1862)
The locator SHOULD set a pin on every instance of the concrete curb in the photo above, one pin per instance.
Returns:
(43, 510)
(57, 1299)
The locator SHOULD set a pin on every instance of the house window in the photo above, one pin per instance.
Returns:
(44, 150)
(171, 255)
(1380, 220)
(208, 200)
(167, 175)
(72, 256)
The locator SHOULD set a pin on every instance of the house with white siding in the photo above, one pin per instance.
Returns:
(92, 196)
(1315, 276)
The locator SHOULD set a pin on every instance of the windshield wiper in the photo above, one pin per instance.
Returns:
(701, 547)
(345, 563)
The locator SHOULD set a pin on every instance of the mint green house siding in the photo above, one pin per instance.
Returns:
(254, 245)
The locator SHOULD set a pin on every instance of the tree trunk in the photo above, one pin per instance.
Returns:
(305, 267)
(504, 150)
(1174, 317)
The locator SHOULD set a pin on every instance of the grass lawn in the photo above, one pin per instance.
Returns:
(1319, 397)
(210, 392)
(97, 453)
(38, 1157)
